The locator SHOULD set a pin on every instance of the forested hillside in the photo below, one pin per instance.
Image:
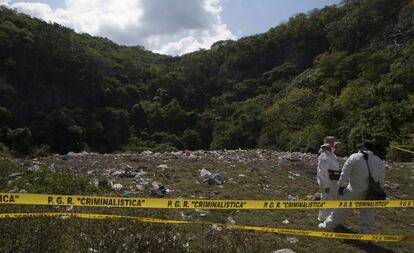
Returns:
(344, 70)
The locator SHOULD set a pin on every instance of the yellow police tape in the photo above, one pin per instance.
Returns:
(320, 234)
(402, 148)
(97, 201)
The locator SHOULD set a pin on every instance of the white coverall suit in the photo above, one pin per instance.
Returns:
(327, 164)
(355, 171)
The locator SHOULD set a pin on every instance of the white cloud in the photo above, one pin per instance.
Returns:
(39, 10)
(194, 42)
(167, 26)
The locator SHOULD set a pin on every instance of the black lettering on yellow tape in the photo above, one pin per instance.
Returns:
(219, 204)
(112, 202)
(97, 201)
(8, 198)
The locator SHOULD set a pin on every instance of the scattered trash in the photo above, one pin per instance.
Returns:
(202, 212)
(216, 227)
(52, 167)
(290, 197)
(392, 185)
(15, 175)
(34, 168)
(156, 184)
(192, 156)
(184, 216)
(116, 186)
(205, 173)
(71, 154)
(118, 173)
(265, 187)
(215, 179)
(140, 179)
(286, 221)
(230, 220)
(95, 183)
(163, 166)
(130, 172)
(292, 240)
(177, 153)
(294, 174)
(15, 189)
(159, 192)
(284, 251)
(74, 154)
(317, 196)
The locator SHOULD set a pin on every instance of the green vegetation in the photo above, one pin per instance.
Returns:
(342, 70)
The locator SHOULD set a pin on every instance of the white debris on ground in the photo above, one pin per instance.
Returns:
(216, 227)
(129, 164)
(116, 186)
(17, 174)
(138, 172)
(205, 173)
(284, 251)
(391, 185)
(202, 212)
(290, 197)
(163, 166)
(292, 240)
(34, 168)
(230, 220)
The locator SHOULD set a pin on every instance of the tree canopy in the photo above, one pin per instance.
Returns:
(345, 70)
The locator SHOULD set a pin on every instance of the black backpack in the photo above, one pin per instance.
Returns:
(375, 192)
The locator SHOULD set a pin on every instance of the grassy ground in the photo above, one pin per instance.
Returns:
(251, 179)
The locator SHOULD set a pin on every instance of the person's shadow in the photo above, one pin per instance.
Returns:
(363, 245)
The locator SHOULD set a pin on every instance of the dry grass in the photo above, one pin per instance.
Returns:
(264, 180)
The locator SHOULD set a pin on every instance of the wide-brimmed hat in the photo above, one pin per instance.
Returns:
(325, 145)
(366, 145)
(331, 140)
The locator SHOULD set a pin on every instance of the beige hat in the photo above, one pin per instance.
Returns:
(325, 145)
(330, 140)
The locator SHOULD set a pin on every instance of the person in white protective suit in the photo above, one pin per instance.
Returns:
(328, 174)
(353, 185)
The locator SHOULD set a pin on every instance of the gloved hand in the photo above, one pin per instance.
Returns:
(326, 190)
(341, 190)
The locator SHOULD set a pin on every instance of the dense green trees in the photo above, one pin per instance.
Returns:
(291, 122)
(344, 70)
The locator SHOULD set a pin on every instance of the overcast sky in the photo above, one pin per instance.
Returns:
(170, 27)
